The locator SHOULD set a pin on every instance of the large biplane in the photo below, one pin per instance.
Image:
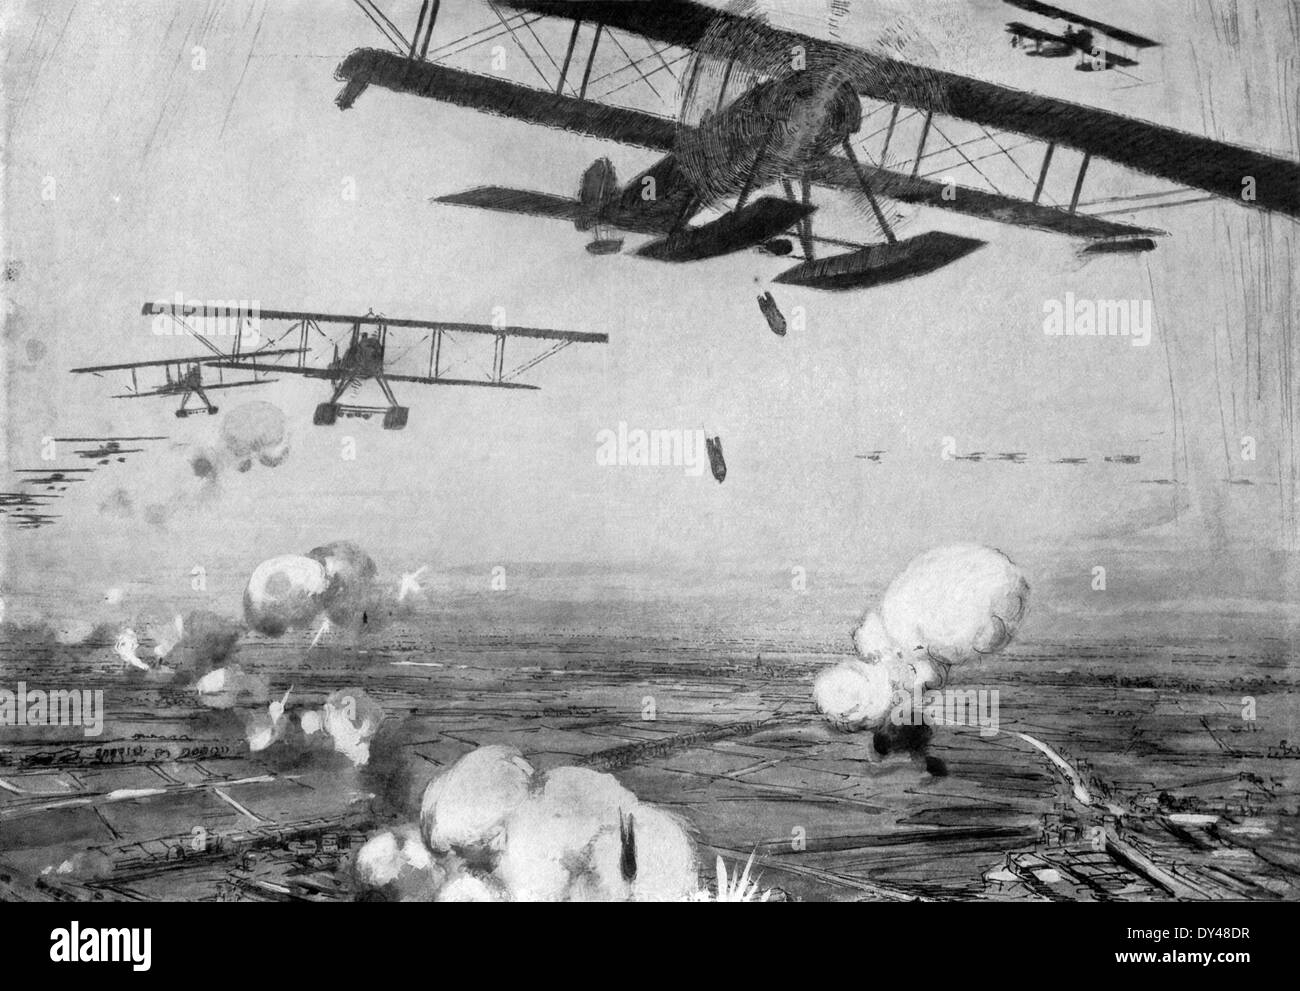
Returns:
(764, 108)
(365, 356)
(1080, 41)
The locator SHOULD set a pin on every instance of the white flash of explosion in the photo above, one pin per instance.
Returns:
(261, 732)
(126, 646)
(411, 583)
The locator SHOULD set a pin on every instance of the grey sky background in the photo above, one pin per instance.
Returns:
(227, 183)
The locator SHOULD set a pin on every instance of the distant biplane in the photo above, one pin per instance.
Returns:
(23, 500)
(751, 117)
(54, 481)
(33, 521)
(1072, 40)
(107, 449)
(366, 355)
(183, 376)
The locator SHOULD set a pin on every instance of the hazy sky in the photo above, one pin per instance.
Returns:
(227, 181)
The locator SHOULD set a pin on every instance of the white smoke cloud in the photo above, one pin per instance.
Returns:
(335, 585)
(285, 593)
(956, 603)
(348, 720)
(948, 606)
(395, 865)
(465, 809)
(853, 694)
(498, 830)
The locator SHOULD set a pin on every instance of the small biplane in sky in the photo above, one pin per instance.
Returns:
(54, 481)
(107, 449)
(32, 521)
(366, 356)
(764, 115)
(23, 500)
(1073, 40)
(183, 377)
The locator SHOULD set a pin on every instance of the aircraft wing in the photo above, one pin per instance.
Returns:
(1022, 30)
(1177, 156)
(1113, 60)
(205, 387)
(491, 95)
(371, 320)
(432, 380)
(523, 201)
(836, 172)
(244, 365)
(192, 360)
(630, 213)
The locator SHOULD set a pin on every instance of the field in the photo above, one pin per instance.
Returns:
(1188, 798)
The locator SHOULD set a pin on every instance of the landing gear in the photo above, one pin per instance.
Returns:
(328, 413)
(185, 409)
(394, 416)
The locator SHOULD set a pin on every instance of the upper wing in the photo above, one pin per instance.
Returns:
(488, 94)
(1022, 30)
(373, 320)
(191, 360)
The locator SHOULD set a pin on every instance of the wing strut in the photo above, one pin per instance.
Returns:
(1078, 183)
(889, 134)
(1042, 176)
(871, 197)
(568, 57)
(920, 149)
(591, 60)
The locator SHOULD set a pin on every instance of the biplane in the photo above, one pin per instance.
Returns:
(33, 521)
(365, 356)
(1080, 41)
(183, 376)
(23, 500)
(107, 449)
(763, 108)
(54, 481)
